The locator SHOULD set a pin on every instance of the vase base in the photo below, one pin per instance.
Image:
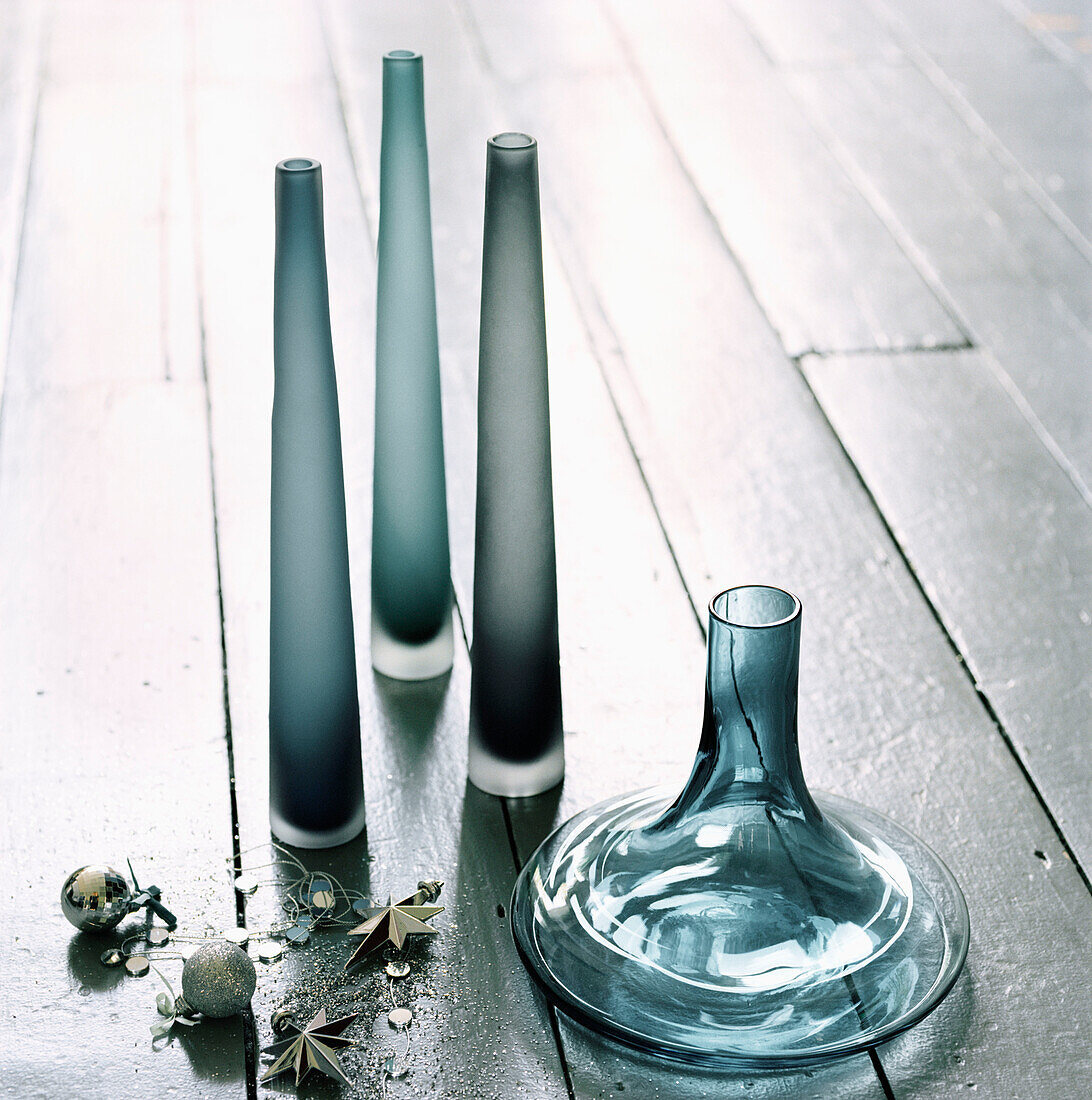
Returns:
(400, 661)
(763, 948)
(510, 779)
(296, 837)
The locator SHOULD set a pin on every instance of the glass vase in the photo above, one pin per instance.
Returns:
(744, 921)
(316, 793)
(515, 693)
(411, 624)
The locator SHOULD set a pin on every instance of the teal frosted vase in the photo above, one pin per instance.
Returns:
(411, 627)
(742, 921)
(516, 743)
(316, 792)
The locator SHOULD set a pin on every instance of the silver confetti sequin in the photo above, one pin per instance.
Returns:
(270, 952)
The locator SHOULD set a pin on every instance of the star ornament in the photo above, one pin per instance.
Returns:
(392, 924)
(312, 1048)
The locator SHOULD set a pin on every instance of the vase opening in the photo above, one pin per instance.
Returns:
(403, 55)
(298, 164)
(512, 141)
(754, 605)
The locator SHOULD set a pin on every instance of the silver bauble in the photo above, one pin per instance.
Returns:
(218, 979)
(95, 899)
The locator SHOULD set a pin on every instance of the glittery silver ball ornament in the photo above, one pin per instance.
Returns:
(218, 979)
(95, 899)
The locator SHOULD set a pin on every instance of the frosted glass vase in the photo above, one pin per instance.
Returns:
(316, 792)
(515, 695)
(742, 921)
(411, 625)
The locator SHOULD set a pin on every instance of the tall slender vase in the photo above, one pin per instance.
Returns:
(742, 921)
(316, 793)
(516, 743)
(412, 637)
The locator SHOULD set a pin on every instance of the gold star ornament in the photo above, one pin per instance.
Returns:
(312, 1048)
(393, 922)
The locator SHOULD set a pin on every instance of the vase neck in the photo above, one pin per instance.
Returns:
(749, 752)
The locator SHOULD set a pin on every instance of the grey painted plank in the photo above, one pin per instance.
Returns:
(752, 485)
(1016, 279)
(111, 721)
(1036, 117)
(1000, 539)
(845, 34)
(989, 241)
(841, 34)
(479, 1031)
(20, 61)
(618, 588)
(825, 268)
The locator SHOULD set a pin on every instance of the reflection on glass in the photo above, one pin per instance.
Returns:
(742, 921)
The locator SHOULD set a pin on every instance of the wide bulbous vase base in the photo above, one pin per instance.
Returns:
(741, 934)
(400, 660)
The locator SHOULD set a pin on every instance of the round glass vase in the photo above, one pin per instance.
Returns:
(743, 922)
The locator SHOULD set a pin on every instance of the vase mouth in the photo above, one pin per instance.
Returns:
(298, 164)
(512, 140)
(754, 607)
(402, 55)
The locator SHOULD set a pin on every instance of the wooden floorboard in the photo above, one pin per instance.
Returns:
(829, 274)
(754, 486)
(727, 189)
(1000, 539)
(111, 715)
(478, 1031)
(1017, 281)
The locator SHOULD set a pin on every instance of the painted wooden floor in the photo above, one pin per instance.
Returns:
(820, 313)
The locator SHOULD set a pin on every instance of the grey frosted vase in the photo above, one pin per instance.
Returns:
(316, 794)
(411, 629)
(515, 696)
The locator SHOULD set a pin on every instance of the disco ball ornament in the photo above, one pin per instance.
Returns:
(96, 899)
(218, 980)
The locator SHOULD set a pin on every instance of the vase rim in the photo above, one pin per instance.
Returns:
(512, 139)
(727, 620)
(402, 55)
(298, 164)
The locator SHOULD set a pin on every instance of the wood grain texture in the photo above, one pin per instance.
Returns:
(689, 454)
(751, 483)
(1018, 282)
(478, 1031)
(1001, 540)
(110, 687)
(1035, 122)
(826, 270)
